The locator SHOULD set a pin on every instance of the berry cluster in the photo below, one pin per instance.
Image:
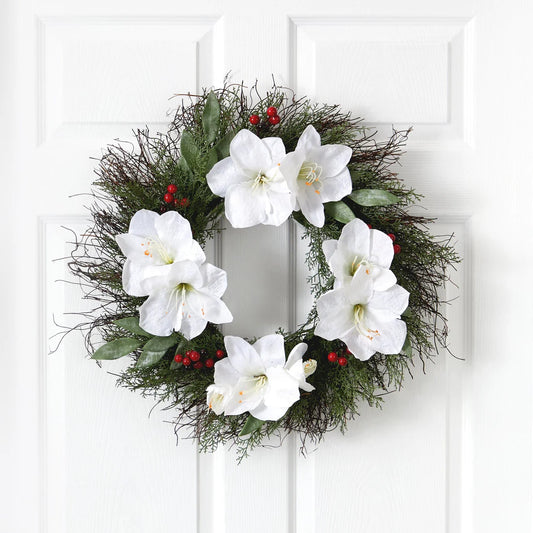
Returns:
(198, 360)
(334, 357)
(272, 117)
(169, 197)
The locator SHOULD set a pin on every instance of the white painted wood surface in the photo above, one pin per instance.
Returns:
(451, 452)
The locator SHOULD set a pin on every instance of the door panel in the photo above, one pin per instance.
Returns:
(449, 453)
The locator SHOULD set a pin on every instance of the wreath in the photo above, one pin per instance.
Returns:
(259, 159)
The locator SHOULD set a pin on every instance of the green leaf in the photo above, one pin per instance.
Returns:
(373, 197)
(299, 217)
(131, 324)
(339, 211)
(182, 165)
(222, 146)
(406, 348)
(252, 424)
(189, 150)
(155, 349)
(211, 117)
(116, 349)
(212, 158)
(407, 312)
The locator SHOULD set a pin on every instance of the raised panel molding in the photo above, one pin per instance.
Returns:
(405, 71)
(99, 71)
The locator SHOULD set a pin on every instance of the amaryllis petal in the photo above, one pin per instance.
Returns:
(249, 152)
(175, 235)
(246, 395)
(208, 307)
(308, 140)
(276, 147)
(243, 357)
(268, 412)
(215, 279)
(282, 388)
(143, 223)
(332, 158)
(382, 249)
(336, 187)
(244, 207)
(334, 311)
(281, 207)
(159, 315)
(271, 350)
(225, 373)
(223, 175)
(310, 202)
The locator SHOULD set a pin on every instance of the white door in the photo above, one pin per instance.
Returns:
(451, 452)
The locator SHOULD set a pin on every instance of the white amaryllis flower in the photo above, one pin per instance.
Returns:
(184, 300)
(250, 179)
(152, 244)
(317, 174)
(256, 378)
(367, 321)
(362, 248)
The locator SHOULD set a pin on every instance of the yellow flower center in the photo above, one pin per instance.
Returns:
(310, 174)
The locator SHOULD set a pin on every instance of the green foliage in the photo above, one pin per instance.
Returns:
(373, 197)
(155, 349)
(252, 424)
(116, 349)
(136, 178)
(211, 117)
(131, 324)
(339, 211)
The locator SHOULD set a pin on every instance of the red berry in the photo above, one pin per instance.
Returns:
(184, 202)
(397, 248)
(186, 361)
(169, 198)
(272, 112)
(172, 188)
(188, 353)
(332, 357)
(209, 363)
(392, 236)
(343, 361)
(254, 119)
(347, 352)
(219, 354)
(178, 358)
(177, 202)
(198, 365)
(369, 226)
(274, 120)
(194, 355)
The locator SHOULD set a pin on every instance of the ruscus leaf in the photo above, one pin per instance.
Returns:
(222, 146)
(211, 117)
(212, 159)
(252, 424)
(116, 349)
(189, 150)
(131, 324)
(339, 211)
(373, 197)
(155, 349)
